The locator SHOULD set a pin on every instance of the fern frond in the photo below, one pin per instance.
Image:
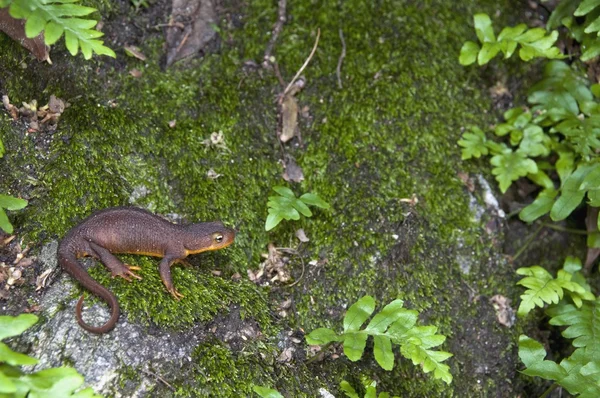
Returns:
(544, 289)
(573, 373)
(57, 17)
(583, 326)
(392, 325)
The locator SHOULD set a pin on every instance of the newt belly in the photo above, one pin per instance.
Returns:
(134, 231)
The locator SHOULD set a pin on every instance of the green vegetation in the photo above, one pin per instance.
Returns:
(534, 43)
(370, 390)
(578, 314)
(543, 289)
(393, 324)
(47, 383)
(58, 17)
(286, 206)
(9, 203)
(381, 139)
(582, 20)
(266, 392)
(557, 135)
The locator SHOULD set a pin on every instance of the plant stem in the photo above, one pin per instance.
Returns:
(527, 242)
(549, 390)
(564, 229)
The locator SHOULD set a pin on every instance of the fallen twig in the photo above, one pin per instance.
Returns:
(342, 56)
(305, 63)
(276, 31)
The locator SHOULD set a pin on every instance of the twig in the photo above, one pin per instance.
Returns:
(278, 74)
(305, 63)
(342, 56)
(276, 31)
(159, 378)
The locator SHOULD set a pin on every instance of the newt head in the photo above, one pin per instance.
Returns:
(207, 236)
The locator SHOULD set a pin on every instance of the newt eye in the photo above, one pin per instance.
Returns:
(218, 238)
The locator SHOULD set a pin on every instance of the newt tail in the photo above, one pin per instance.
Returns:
(69, 259)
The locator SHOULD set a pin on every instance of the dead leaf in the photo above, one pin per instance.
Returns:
(289, 111)
(191, 27)
(301, 236)
(15, 28)
(45, 117)
(274, 267)
(134, 51)
(411, 201)
(40, 281)
(213, 175)
(504, 313)
(292, 172)
(135, 73)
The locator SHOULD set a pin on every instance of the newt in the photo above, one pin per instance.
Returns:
(135, 231)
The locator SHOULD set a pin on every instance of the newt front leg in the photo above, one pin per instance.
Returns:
(165, 274)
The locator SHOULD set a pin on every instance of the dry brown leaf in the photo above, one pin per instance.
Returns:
(289, 112)
(190, 28)
(135, 73)
(41, 280)
(15, 28)
(134, 51)
(504, 312)
(301, 236)
(292, 172)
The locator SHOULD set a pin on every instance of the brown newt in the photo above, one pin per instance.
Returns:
(135, 231)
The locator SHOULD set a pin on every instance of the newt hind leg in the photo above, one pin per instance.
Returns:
(115, 265)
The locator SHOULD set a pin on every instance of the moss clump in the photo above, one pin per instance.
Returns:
(223, 373)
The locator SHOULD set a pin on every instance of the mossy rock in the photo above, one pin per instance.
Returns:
(381, 150)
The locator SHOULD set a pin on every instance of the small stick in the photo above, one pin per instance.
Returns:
(276, 31)
(342, 56)
(305, 63)
(159, 378)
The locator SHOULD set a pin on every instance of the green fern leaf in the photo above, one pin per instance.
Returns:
(58, 17)
(393, 325)
(583, 325)
(510, 166)
(473, 143)
(573, 373)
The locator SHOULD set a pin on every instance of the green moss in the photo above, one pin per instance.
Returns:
(389, 134)
(221, 372)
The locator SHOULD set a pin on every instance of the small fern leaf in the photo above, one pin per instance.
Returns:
(354, 345)
(583, 325)
(430, 360)
(382, 350)
(542, 288)
(358, 313)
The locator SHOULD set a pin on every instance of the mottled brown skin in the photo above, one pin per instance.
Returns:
(136, 231)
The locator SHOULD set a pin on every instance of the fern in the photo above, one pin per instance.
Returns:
(370, 390)
(534, 43)
(577, 374)
(58, 17)
(543, 289)
(393, 325)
